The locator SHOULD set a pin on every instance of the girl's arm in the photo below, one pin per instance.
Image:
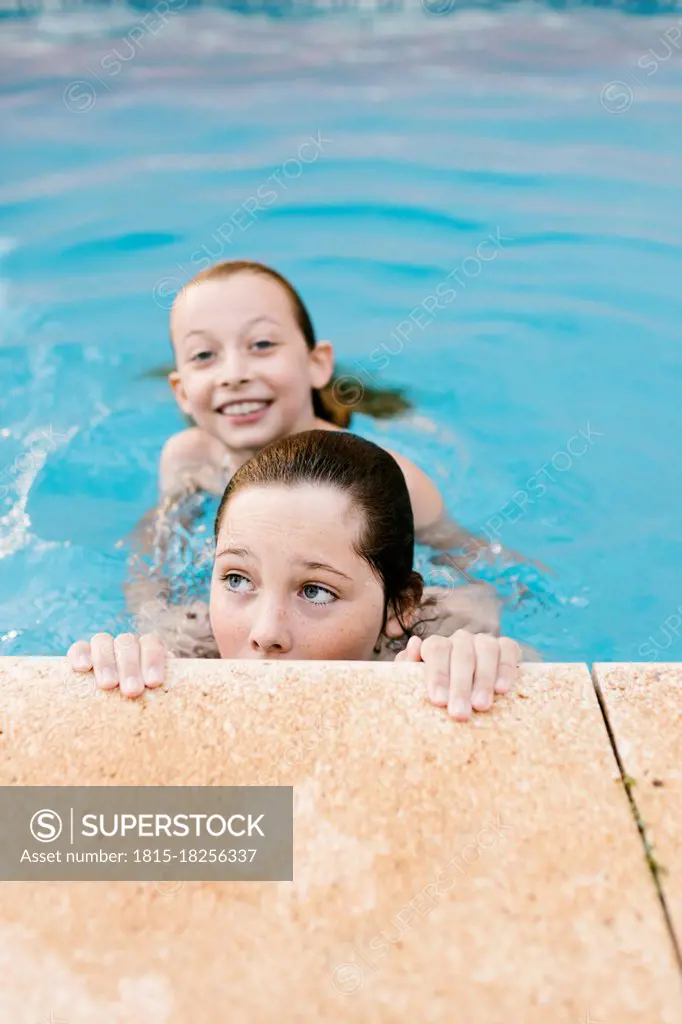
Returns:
(161, 604)
(428, 509)
(474, 607)
(189, 464)
(191, 461)
(148, 577)
(434, 527)
(183, 629)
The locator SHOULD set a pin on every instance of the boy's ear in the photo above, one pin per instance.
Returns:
(321, 364)
(179, 391)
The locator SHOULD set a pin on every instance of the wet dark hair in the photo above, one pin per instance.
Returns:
(344, 393)
(375, 484)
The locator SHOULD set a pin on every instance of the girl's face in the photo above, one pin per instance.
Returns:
(288, 582)
(244, 371)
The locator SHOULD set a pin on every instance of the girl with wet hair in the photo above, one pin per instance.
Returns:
(314, 561)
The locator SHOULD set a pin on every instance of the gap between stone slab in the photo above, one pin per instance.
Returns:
(628, 785)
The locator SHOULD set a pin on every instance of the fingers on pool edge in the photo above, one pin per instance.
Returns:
(462, 672)
(153, 659)
(487, 650)
(511, 657)
(104, 661)
(79, 656)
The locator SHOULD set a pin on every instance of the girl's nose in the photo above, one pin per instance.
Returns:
(234, 369)
(271, 633)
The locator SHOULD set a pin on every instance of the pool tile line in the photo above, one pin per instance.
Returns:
(628, 786)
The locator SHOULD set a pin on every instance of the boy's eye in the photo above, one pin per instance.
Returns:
(263, 344)
(202, 357)
(316, 594)
(236, 583)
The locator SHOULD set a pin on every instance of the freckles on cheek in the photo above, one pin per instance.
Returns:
(352, 641)
(224, 623)
(231, 639)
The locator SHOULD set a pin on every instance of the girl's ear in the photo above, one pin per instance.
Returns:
(179, 392)
(398, 623)
(393, 630)
(406, 616)
(321, 364)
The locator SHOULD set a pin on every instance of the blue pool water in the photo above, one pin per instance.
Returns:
(128, 144)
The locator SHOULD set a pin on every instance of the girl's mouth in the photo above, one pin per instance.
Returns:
(246, 411)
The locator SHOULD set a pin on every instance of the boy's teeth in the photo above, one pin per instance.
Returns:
(243, 408)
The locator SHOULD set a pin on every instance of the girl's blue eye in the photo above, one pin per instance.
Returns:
(233, 582)
(263, 344)
(316, 594)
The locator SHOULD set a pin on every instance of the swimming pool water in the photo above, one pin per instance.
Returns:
(135, 149)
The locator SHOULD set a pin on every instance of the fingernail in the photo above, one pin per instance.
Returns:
(81, 663)
(154, 676)
(108, 677)
(131, 686)
(460, 709)
(481, 700)
(441, 695)
(502, 685)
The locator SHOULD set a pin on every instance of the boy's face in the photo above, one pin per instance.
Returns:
(288, 582)
(244, 372)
